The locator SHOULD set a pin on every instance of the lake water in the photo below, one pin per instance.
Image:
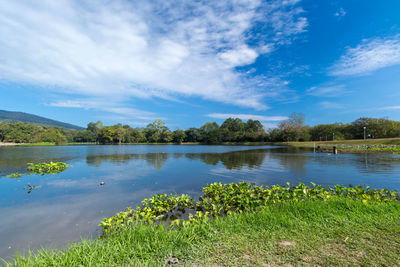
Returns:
(71, 204)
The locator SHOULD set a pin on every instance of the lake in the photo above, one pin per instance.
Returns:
(71, 204)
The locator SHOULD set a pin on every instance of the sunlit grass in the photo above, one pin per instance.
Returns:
(381, 141)
(336, 232)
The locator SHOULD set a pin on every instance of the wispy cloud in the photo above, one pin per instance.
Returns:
(125, 113)
(136, 49)
(390, 108)
(327, 91)
(330, 105)
(261, 118)
(370, 55)
(340, 13)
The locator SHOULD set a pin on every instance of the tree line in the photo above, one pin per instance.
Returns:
(231, 130)
(294, 129)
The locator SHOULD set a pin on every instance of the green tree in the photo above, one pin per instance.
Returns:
(86, 136)
(178, 136)
(326, 132)
(155, 131)
(232, 130)
(157, 125)
(106, 135)
(193, 135)
(275, 135)
(254, 131)
(291, 127)
(94, 127)
(166, 136)
(210, 132)
(119, 134)
(52, 135)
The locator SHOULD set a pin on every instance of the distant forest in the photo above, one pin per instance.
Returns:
(231, 130)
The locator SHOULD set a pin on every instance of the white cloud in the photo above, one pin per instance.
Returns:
(327, 91)
(246, 117)
(136, 49)
(241, 56)
(368, 56)
(340, 13)
(330, 105)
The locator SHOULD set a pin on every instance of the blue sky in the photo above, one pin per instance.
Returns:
(192, 62)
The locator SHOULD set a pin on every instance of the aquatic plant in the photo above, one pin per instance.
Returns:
(324, 233)
(47, 168)
(30, 188)
(159, 207)
(14, 175)
(219, 199)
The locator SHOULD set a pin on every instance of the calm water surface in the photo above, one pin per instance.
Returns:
(71, 204)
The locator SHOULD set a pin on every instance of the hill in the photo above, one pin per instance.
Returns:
(13, 116)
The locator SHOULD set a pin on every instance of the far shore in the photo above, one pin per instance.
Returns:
(8, 144)
(384, 145)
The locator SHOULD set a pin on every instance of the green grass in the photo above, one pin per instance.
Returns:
(336, 232)
(386, 145)
(381, 141)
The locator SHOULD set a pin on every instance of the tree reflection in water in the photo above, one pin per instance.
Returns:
(156, 159)
(231, 160)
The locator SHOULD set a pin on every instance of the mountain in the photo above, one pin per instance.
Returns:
(13, 116)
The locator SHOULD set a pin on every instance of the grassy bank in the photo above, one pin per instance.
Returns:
(244, 224)
(384, 145)
(339, 232)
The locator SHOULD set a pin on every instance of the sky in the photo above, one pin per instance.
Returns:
(192, 62)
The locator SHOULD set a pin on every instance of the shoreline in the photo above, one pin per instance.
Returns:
(338, 230)
(372, 146)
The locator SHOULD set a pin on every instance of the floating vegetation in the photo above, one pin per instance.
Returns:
(47, 168)
(30, 188)
(14, 175)
(220, 199)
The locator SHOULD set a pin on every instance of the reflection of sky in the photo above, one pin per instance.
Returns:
(71, 204)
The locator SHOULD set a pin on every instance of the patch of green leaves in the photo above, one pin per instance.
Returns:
(47, 168)
(220, 199)
(14, 175)
(159, 207)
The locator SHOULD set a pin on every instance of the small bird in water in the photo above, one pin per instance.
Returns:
(101, 183)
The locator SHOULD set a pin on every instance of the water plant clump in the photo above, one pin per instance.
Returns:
(220, 199)
(47, 168)
(159, 207)
(14, 175)
(30, 188)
